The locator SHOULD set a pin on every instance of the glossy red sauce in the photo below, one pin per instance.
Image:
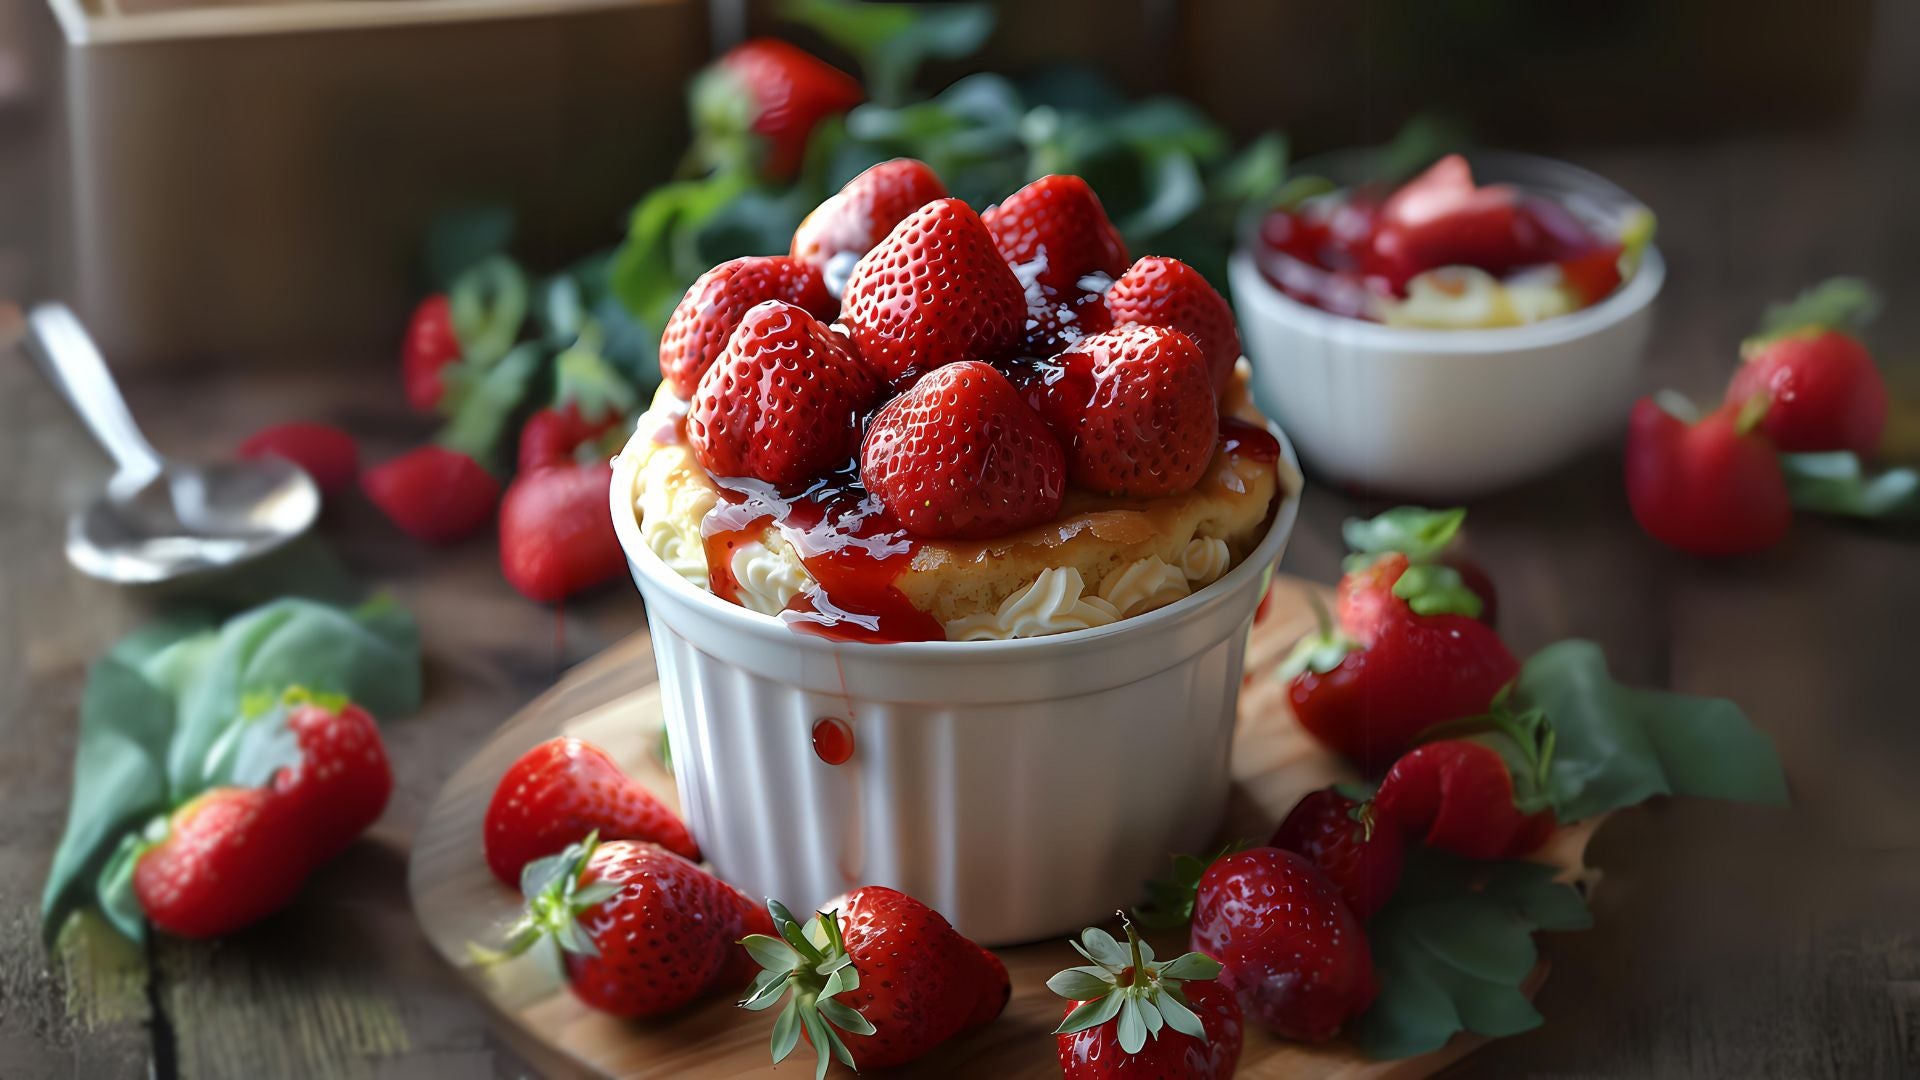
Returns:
(1248, 440)
(846, 540)
(832, 740)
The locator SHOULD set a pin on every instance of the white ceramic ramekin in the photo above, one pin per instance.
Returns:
(1450, 414)
(1021, 788)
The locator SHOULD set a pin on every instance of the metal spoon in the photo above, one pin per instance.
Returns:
(160, 519)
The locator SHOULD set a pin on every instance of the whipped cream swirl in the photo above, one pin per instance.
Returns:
(1053, 604)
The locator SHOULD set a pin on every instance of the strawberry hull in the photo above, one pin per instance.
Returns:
(1017, 787)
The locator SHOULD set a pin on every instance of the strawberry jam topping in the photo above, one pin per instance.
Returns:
(849, 544)
(1248, 440)
(832, 740)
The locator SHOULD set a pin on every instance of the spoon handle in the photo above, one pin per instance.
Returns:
(73, 362)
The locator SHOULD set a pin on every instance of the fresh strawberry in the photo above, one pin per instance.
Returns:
(556, 532)
(1450, 582)
(642, 931)
(962, 455)
(342, 780)
(1460, 795)
(861, 214)
(1822, 390)
(433, 494)
(1058, 222)
(327, 453)
(1158, 291)
(1368, 699)
(1286, 942)
(430, 345)
(1134, 1017)
(1713, 487)
(230, 857)
(559, 792)
(700, 325)
(783, 403)
(1134, 409)
(1441, 218)
(789, 91)
(560, 436)
(934, 292)
(879, 977)
(1347, 840)
(1060, 321)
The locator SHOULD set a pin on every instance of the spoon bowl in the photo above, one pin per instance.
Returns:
(160, 519)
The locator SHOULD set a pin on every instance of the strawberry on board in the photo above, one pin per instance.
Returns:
(1286, 942)
(1822, 388)
(1159, 291)
(1427, 538)
(223, 861)
(861, 214)
(962, 455)
(1707, 487)
(434, 494)
(701, 323)
(1483, 797)
(781, 91)
(556, 532)
(783, 403)
(1350, 842)
(562, 791)
(430, 344)
(1133, 408)
(877, 979)
(1132, 1016)
(634, 929)
(1370, 686)
(327, 453)
(933, 292)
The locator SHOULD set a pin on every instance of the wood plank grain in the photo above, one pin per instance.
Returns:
(613, 701)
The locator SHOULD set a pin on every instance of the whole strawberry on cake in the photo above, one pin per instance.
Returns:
(927, 423)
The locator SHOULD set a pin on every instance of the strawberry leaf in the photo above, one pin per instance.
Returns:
(1454, 947)
(1846, 304)
(1415, 531)
(1836, 483)
(1616, 746)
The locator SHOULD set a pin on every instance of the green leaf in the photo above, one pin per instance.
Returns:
(1436, 590)
(1103, 949)
(1179, 1016)
(1133, 1027)
(1846, 304)
(1174, 190)
(786, 1031)
(843, 1017)
(771, 953)
(1453, 947)
(1191, 966)
(1424, 139)
(114, 894)
(461, 236)
(1617, 746)
(1836, 483)
(488, 400)
(1414, 531)
(1079, 984)
(119, 779)
(891, 41)
(1092, 1013)
(488, 305)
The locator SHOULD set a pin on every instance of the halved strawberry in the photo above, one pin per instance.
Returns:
(1159, 291)
(861, 214)
(934, 292)
(784, 402)
(962, 455)
(698, 329)
(1133, 408)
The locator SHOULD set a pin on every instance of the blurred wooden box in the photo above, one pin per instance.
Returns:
(253, 177)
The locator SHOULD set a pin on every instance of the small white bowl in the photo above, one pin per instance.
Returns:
(1450, 414)
(1021, 788)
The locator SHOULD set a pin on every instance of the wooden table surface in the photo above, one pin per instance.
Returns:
(1730, 940)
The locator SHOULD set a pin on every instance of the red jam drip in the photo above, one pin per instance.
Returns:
(1336, 255)
(1248, 440)
(850, 545)
(672, 431)
(832, 740)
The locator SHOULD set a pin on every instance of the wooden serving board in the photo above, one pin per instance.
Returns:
(613, 701)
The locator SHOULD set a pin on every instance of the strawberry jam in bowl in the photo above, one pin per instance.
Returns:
(1460, 332)
(987, 500)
